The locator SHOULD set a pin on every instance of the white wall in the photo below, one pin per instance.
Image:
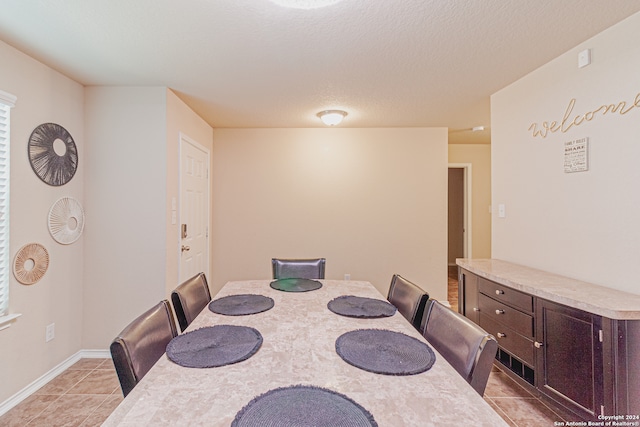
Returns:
(44, 96)
(180, 119)
(371, 201)
(582, 225)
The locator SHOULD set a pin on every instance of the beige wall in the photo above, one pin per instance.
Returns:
(479, 156)
(582, 225)
(372, 201)
(43, 96)
(132, 256)
(125, 263)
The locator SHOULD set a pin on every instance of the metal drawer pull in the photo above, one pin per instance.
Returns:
(499, 311)
(501, 335)
(499, 292)
(537, 344)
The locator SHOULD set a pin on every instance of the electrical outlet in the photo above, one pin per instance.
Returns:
(51, 332)
(347, 276)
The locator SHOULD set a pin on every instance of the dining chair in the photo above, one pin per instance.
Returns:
(408, 298)
(189, 298)
(298, 268)
(141, 343)
(464, 344)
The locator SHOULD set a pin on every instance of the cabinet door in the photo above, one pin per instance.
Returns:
(468, 295)
(569, 358)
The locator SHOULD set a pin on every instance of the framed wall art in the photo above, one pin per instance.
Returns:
(53, 154)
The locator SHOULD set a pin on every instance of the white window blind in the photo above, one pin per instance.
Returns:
(6, 102)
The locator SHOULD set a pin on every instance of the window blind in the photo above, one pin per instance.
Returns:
(6, 102)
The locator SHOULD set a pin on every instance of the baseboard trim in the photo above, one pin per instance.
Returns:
(44, 379)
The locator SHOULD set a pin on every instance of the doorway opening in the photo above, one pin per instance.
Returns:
(459, 224)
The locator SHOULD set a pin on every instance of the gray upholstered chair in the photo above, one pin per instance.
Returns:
(139, 346)
(189, 298)
(408, 298)
(298, 268)
(465, 345)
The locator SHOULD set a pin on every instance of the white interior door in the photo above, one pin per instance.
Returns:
(194, 208)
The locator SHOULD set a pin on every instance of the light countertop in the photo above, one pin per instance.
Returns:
(596, 299)
(299, 348)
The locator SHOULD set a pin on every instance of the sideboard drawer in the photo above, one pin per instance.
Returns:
(506, 294)
(509, 339)
(505, 314)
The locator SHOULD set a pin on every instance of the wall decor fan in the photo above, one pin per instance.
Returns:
(66, 220)
(30, 264)
(53, 154)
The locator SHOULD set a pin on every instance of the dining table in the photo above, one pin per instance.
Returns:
(298, 347)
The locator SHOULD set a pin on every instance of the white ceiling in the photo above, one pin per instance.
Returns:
(253, 63)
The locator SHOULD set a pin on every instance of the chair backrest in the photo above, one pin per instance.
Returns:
(139, 346)
(408, 298)
(465, 345)
(298, 268)
(189, 298)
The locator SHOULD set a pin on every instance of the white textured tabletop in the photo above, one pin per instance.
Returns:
(299, 348)
(595, 299)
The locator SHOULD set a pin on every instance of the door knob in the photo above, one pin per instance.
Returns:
(501, 335)
(499, 311)
(185, 248)
(537, 344)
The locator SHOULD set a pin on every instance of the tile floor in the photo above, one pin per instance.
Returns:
(86, 393)
(83, 395)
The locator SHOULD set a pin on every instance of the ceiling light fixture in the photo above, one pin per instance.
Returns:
(332, 117)
(477, 128)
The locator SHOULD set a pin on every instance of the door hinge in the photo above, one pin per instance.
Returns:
(601, 335)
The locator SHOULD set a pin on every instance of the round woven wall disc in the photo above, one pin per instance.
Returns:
(32, 261)
(53, 154)
(66, 220)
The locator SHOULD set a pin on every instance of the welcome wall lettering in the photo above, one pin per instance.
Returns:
(569, 120)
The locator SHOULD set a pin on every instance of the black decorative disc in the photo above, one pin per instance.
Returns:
(295, 285)
(55, 165)
(385, 352)
(300, 405)
(362, 307)
(241, 304)
(214, 346)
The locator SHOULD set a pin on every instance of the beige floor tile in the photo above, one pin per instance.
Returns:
(98, 416)
(526, 412)
(63, 382)
(500, 412)
(500, 385)
(70, 410)
(99, 381)
(27, 410)
(88, 364)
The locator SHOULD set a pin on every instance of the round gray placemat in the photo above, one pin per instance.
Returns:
(367, 308)
(301, 405)
(295, 285)
(214, 346)
(241, 304)
(385, 352)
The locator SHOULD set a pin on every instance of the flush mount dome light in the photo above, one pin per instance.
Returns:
(332, 117)
(305, 4)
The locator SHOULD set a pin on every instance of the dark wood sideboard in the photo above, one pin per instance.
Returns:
(585, 363)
